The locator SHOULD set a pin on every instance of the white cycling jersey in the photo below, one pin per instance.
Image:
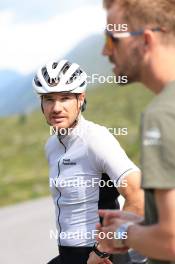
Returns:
(76, 163)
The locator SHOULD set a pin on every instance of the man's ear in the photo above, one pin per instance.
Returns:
(82, 101)
(149, 40)
(81, 98)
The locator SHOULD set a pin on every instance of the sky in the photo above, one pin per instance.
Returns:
(33, 32)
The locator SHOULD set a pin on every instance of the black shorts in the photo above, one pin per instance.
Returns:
(70, 255)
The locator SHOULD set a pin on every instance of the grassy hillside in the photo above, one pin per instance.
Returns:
(23, 168)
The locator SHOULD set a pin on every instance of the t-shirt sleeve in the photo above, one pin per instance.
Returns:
(158, 150)
(112, 158)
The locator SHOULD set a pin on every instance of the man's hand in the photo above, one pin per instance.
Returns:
(94, 259)
(110, 244)
(108, 215)
(112, 221)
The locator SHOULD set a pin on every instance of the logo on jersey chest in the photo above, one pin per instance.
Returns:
(68, 162)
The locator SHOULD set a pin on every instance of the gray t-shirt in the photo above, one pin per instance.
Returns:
(158, 151)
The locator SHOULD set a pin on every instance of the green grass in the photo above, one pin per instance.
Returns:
(23, 167)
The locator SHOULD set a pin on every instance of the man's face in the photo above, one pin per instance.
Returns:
(61, 109)
(125, 54)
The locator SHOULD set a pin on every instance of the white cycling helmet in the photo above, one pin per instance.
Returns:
(60, 76)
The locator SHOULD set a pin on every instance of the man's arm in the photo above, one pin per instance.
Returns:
(133, 194)
(157, 241)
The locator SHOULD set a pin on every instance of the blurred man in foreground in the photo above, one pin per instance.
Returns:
(146, 54)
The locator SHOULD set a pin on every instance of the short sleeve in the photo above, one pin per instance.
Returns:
(112, 158)
(158, 150)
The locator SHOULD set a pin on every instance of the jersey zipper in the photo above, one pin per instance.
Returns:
(59, 209)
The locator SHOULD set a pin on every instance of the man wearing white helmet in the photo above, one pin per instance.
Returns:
(78, 160)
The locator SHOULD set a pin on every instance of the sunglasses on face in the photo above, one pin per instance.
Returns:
(112, 38)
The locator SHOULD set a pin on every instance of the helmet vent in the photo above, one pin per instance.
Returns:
(74, 76)
(82, 84)
(66, 67)
(37, 82)
(54, 65)
(50, 81)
